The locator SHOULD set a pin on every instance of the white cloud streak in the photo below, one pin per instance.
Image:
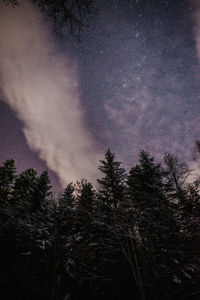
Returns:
(40, 85)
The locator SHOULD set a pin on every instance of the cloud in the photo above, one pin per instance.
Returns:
(41, 86)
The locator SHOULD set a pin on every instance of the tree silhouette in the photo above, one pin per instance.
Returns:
(136, 236)
(75, 15)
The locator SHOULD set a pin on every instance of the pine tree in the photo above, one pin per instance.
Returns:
(7, 176)
(31, 230)
(65, 211)
(23, 191)
(85, 198)
(154, 225)
(111, 227)
(111, 190)
(7, 224)
(79, 256)
(63, 230)
(42, 191)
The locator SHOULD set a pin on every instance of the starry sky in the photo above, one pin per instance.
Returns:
(138, 78)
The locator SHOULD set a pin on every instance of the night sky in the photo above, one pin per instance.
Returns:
(139, 86)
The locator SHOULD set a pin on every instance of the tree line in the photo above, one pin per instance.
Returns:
(134, 236)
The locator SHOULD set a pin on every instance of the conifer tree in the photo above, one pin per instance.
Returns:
(79, 256)
(85, 199)
(137, 237)
(42, 191)
(65, 210)
(7, 224)
(32, 222)
(62, 232)
(112, 185)
(7, 176)
(23, 191)
(154, 224)
(110, 224)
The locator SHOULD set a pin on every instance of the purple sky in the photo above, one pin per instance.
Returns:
(139, 84)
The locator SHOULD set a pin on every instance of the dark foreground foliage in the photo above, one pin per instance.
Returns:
(136, 236)
(66, 14)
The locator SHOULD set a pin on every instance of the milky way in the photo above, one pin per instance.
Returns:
(146, 91)
(139, 81)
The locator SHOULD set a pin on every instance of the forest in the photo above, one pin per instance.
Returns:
(134, 236)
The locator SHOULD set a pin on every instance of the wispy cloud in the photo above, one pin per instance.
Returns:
(40, 85)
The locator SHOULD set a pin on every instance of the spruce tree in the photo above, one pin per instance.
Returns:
(111, 191)
(30, 204)
(111, 226)
(7, 176)
(156, 231)
(7, 225)
(42, 191)
(80, 260)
